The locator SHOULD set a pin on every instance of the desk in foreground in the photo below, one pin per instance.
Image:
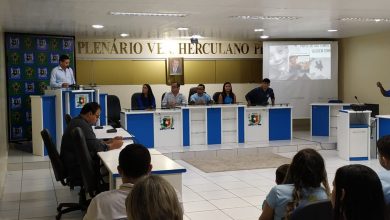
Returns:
(162, 165)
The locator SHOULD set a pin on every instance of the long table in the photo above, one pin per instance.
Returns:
(211, 124)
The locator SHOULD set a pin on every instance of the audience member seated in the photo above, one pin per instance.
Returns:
(357, 194)
(153, 198)
(134, 162)
(89, 115)
(173, 98)
(280, 175)
(146, 100)
(301, 186)
(200, 97)
(227, 96)
(384, 159)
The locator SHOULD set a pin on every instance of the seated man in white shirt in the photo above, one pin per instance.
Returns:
(134, 163)
(174, 97)
(62, 75)
(200, 97)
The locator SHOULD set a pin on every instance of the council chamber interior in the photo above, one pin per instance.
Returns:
(326, 71)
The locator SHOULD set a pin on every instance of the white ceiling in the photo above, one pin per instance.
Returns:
(209, 18)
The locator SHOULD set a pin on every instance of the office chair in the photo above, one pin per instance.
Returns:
(68, 118)
(134, 104)
(216, 96)
(193, 90)
(62, 176)
(113, 111)
(90, 173)
(320, 210)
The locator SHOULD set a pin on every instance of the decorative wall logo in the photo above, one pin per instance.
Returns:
(27, 101)
(42, 87)
(29, 87)
(28, 43)
(16, 87)
(29, 72)
(14, 43)
(15, 58)
(54, 44)
(254, 119)
(16, 117)
(16, 102)
(41, 44)
(54, 58)
(67, 44)
(17, 131)
(42, 73)
(15, 73)
(166, 122)
(28, 116)
(28, 58)
(42, 58)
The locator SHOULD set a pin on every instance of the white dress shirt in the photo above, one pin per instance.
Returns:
(60, 76)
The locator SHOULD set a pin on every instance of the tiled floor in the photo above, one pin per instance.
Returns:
(31, 191)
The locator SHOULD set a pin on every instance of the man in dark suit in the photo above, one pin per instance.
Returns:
(89, 115)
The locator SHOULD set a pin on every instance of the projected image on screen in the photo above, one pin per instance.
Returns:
(293, 62)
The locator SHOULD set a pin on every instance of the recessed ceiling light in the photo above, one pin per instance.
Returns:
(332, 30)
(259, 30)
(182, 29)
(97, 26)
(148, 14)
(124, 35)
(257, 17)
(264, 36)
(366, 19)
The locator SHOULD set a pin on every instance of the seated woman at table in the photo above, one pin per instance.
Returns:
(227, 96)
(146, 100)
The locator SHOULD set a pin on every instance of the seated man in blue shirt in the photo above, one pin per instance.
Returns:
(200, 97)
(261, 94)
(385, 93)
(383, 146)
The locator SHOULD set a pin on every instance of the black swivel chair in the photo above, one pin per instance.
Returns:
(92, 181)
(320, 210)
(134, 104)
(216, 96)
(193, 90)
(68, 118)
(61, 176)
(113, 111)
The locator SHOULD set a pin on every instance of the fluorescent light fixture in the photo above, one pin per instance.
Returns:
(332, 30)
(259, 30)
(366, 19)
(196, 36)
(264, 36)
(259, 17)
(124, 35)
(148, 14)
(182, 29)
(97, 26)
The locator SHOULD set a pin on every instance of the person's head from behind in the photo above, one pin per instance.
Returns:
(307, 170)
(357, 194)
(383, 146)
(147, 90)
(134, 162)
(153, 198)
(200, 89)
(280, 173)
(64, 61)
(91, 112)
(175, 87)
(265, 83)
(227, 88)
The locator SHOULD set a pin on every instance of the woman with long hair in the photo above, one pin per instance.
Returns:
(227, 96)
(357, 194)
(153, 198)
(146, 100)
(306, 182)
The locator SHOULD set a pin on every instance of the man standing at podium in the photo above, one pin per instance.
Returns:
(261, 94)
(62, 75)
